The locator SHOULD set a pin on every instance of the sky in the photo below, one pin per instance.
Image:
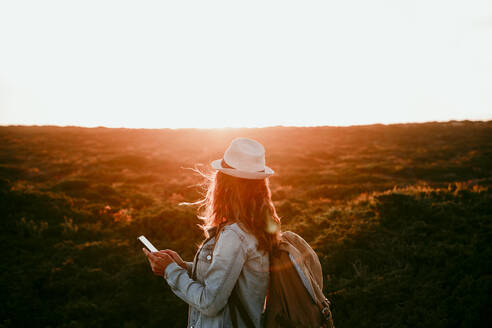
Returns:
(208, 64)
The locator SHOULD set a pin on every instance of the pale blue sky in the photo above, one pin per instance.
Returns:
(244, 63)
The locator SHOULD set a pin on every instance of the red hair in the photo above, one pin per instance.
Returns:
(230, 199)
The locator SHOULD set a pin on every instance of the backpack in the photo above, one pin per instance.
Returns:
(295, 295)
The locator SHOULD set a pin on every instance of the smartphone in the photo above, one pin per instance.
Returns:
(147, 244)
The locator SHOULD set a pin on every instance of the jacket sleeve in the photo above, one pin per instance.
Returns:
(211, 296)
(189, 267)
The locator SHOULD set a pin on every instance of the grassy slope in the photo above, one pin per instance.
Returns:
(73, 200)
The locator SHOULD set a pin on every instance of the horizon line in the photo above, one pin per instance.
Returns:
(245, 127)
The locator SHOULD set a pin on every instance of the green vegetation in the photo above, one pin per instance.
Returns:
(400, 216)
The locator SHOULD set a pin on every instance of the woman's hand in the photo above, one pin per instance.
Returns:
(175, 256)
(158, 261)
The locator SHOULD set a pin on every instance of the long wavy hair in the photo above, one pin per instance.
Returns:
(248, 201)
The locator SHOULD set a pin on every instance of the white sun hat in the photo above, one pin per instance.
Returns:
(245, 158)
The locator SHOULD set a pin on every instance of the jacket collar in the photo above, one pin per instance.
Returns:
(212, 231)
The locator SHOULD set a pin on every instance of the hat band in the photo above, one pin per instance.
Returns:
(227, 166)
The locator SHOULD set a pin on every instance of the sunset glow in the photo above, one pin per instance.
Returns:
(226, 64)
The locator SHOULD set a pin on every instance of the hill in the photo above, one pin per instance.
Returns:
(400, 216)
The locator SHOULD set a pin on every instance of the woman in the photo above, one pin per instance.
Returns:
(232, 265)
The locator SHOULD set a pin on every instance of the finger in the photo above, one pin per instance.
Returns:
(151, 256)
(162, 255)
(175, 256)
(164, 258)
(168, 251)
(162, 261)
(146, 251)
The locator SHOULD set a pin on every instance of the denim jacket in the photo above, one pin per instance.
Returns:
(210, 279)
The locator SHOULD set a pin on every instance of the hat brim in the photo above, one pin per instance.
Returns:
(217, 164)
